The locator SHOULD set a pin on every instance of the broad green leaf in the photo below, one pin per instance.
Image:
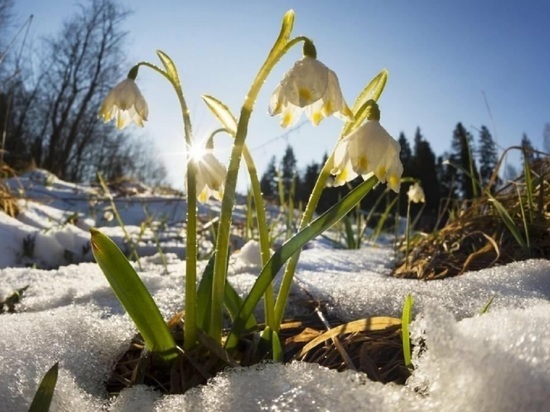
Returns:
(134, 296)
(406, 319)
(232, 300)
(43, 396)
(169, 67)
(222, 112)
(289, 248)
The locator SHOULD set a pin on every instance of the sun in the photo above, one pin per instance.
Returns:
(196, 152)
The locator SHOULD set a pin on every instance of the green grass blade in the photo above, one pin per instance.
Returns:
(406, 319)
(350, 235)
(290, 247)
(508, 221)
(43, 396)
(487, 305)
(528, 177)
(134, 296)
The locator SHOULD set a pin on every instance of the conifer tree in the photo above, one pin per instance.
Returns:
(423, 167)
(461, 157)
(528, 149)
(487, 155)
(268, 182)
(289, 172)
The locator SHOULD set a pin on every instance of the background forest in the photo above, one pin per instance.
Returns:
(48, 119)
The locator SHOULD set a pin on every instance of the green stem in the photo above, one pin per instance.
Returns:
(290, 269)
(269, 303)
(261, 221)
(280, 47)
(190, 326)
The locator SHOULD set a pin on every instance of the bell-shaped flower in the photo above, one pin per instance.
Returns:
(210, 176)
(309, 86)
(368, 150)
(416, 193)
(125, 103)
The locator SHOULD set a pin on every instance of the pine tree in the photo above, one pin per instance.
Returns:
(528, 149)
(423, 167)
(406, 152)
(289, 172)
(461, 157)
(268, 182)
(487, 155)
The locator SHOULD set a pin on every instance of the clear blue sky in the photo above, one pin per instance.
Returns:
(442, 57)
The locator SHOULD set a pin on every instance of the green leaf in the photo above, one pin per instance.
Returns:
(286, 27)
(43, 396)
(169, 67)
(232, 300)
(372, 91)
(289, 248)
(276, 347)
(406, 319)
(360, 108)
(222, 112)
(134, 296)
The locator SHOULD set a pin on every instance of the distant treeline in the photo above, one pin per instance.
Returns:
(445, 178)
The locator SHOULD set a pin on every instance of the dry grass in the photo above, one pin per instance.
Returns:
(372, 346)
(478, 238)
(8, 202)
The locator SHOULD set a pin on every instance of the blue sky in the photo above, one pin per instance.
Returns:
(443, 58)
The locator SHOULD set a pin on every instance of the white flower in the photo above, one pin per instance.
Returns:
(416, 194)
(210, 176)
(368, 150)
(125, 103)
(309, 86)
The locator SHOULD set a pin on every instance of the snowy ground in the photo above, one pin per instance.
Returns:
(499, 361)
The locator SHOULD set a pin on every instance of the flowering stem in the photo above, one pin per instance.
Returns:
(281, 46)
(290, 269)
(190, 326)
(269, 303)
(261, 220)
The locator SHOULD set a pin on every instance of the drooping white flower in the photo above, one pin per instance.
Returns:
(312, 87)
(416, 193)
(368, 149)
(125, 103)
(210, 176)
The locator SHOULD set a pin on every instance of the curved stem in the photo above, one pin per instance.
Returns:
(280, 47)
(190, 327)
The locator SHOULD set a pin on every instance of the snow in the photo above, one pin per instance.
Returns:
(498, 361)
